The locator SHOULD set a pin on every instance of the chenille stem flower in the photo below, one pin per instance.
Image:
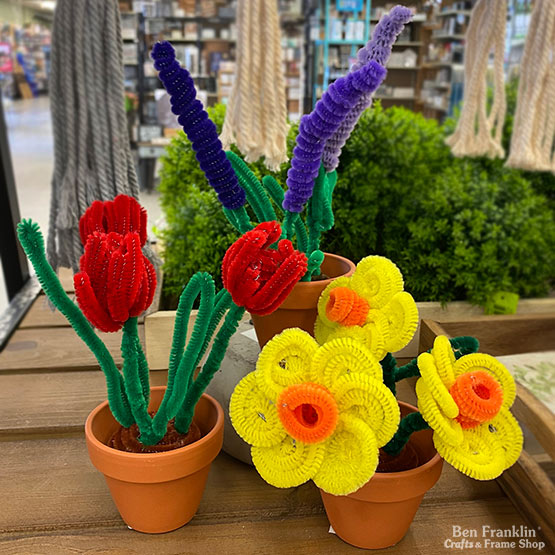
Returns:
(317, 127)
(313, 412)
(200, 129)
(378, 50)
(466, 402)
(370, 306)
(258, 276)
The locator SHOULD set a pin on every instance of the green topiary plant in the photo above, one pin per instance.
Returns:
(197, 232)
(391, 157)
(475, 232)
(459, 229)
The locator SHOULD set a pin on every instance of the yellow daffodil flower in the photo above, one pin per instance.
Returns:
(369, 306)
(466, 402)
(312, 412)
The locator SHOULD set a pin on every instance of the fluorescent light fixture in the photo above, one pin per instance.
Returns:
(48, 5)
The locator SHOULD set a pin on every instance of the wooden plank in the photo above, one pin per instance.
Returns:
(52, 485)
(287, 536)
(159, 334)
(537, 417)
(40, 315)
(51, 404)
(462, 310)
(66, 278)
(506, 335)
(54, 349)
(531, 490)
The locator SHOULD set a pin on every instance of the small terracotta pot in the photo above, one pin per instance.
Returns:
(299, 309)
(156, 492)
(380, 513)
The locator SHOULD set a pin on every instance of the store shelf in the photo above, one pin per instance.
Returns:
(408, 43)
(448, 13)
(448, 37)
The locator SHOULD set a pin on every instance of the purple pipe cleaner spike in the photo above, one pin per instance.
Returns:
(318, 126)
(200, 129)
(378, 49)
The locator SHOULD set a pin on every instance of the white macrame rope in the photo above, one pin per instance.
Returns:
(92, 156)
(479, 133)
(256, 115)
(533, 135)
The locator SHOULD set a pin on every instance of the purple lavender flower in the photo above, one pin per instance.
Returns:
(200, 129)
(317, 127)
(378, 49)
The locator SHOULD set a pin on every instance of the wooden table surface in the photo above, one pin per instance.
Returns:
(54, 501)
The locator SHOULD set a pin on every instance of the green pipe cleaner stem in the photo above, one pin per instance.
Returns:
(133, 386)
(222, 304)
(144, 375)
(239, 219)
(32, 241)
(461, 346)
(185, 415)
(289, 221)
(411, 423)
(319, 215)
(178, 377)
(255, 193)
(277, 194)
(274, 191)
(389, 365)
(314, 262)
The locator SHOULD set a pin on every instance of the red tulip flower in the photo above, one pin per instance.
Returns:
(121, 215)
(116, 281)
(257, 276)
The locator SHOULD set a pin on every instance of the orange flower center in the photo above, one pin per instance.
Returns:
(479, 397)
(308, 412)
(346, 307)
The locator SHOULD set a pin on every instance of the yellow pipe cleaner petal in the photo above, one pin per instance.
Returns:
(445, 359)
(323, 331)
(481, 361)
(447, 428)
(377, 279)
(478, 456)
(253, 415)
(325, 297)
(290, 463)
(370, 400)
(341, 356)
(351, 457)
(505, 427)
(440, 393)
(368, 335)
(402, 314)
(285, 360)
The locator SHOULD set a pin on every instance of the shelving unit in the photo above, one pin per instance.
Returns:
(443, 67)
(403, 81)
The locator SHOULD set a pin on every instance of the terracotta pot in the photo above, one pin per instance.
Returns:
(299, 310)
(380, 513)
(156, 492)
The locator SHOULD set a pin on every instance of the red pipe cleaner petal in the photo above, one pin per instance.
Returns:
(89, 305)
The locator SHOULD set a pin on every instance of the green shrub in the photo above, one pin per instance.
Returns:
(476, 232)
(458, 229)
(391, 157)
(197, 233)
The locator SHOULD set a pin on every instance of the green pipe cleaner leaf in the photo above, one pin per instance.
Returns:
(32, 241)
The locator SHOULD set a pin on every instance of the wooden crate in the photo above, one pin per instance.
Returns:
(528, 483)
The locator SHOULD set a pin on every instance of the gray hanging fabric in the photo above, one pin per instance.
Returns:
(92, 155)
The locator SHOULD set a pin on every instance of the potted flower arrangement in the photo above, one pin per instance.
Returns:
(311, 178)
(325, 409)
(155, 445)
